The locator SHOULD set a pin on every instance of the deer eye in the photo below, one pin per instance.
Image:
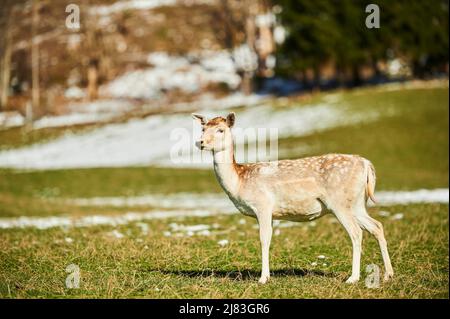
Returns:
(220, 130)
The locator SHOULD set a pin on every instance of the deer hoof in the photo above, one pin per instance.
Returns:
(388, 276)
(263, 280)
(352, 280)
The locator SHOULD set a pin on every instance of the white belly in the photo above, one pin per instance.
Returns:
(299, 210)
(295, 209)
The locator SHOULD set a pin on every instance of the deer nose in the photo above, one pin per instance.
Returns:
(199, 144)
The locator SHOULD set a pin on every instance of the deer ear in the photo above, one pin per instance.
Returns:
(200, 118)
(230, 119)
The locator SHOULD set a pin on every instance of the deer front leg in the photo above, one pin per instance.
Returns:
(265, 235)
(355, 232)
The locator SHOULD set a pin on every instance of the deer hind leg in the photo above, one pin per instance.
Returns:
(376, 229)
(350, 223)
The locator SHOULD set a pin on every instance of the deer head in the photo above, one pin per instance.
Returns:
(216, 133)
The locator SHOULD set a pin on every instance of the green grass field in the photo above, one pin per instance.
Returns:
(33, 262)
(408, 146)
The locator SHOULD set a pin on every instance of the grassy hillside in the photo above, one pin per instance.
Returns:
(409, 148)
(408, 145)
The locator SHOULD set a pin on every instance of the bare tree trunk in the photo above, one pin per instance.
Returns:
(229, 23)
(266, 42)
(6, 73)
(92, 76)
(94, 45)
(247, 83)
(250, 26)
(35, 94)
(6, 64)
(250, 35)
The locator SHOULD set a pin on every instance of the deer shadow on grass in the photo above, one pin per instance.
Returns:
(244, 274)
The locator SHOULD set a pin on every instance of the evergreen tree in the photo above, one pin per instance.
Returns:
(335, 31)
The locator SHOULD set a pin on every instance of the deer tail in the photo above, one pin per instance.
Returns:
(371, 180)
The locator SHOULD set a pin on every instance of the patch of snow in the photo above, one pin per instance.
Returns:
(245, 58)
(120, 6)
(208, 101)
(179, 230)
(188, 74)
(188, 228)
(279, 34)
(204, 232)
(74, 92)
(85, 113)
(398, 68)
(265, 20)
(397, 216)
(384, 213)
(95, 220)
(216, 201)
(11, 119)
(440, 195)
(223, 242)
(68, 120)
(115, 233)
(144, 228)
(217, 60)
(287, 224)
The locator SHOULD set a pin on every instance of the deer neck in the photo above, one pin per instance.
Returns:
(225, 168)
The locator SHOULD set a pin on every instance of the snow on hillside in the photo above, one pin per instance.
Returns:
(439, 195)
(124, 5)
(189, 74)
(168, 140)
(208, 101)
(11, 119)
(84, 113)
(79, 113)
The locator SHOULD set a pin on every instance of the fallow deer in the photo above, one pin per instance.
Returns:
(297, 190)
